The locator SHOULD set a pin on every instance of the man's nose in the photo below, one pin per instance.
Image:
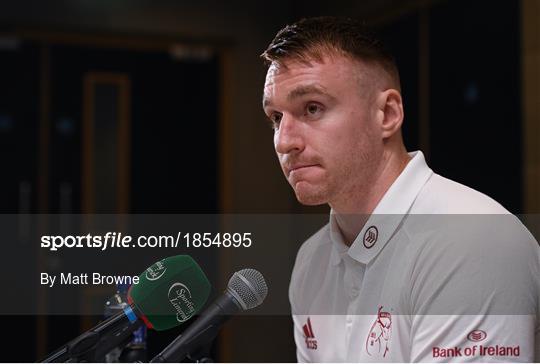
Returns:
(288, 137)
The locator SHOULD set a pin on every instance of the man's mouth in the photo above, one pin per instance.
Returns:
(300, 167)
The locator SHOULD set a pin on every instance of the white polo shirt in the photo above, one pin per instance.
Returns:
(440, 272)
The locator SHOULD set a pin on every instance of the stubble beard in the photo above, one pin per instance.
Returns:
(352, 182)
(309, 194)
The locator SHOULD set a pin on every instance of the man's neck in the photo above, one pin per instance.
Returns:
(353, 212)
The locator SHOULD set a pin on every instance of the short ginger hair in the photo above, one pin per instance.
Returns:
(312, 38)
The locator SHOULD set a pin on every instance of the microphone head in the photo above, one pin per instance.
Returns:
(248, 287)
(170, 292)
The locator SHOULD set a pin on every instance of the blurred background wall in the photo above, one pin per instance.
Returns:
(139, 106)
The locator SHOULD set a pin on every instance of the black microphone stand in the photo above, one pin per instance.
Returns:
(94, 344)
(200, 356)
(199, 333)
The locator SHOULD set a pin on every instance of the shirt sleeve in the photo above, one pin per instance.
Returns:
(474, 293)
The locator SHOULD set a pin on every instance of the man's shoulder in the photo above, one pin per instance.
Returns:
(448, 214)
(441, 195)
(463, 241)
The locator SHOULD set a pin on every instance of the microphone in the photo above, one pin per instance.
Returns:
(246, 289)
(169, 293)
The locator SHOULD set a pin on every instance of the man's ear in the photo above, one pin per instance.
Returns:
(391, 107)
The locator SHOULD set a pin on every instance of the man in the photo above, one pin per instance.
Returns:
(400, 273)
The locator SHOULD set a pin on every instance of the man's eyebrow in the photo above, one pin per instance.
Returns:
(299, 92)
(306, 90)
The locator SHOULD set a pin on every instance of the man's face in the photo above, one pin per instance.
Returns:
(326, 133)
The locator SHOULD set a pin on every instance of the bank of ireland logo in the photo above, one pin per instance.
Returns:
(156, 271)
(379, 334)
(180, 298)
(370, 236)
(476, 335)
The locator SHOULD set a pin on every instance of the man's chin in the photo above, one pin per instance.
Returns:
(310, 196)
(311, 202)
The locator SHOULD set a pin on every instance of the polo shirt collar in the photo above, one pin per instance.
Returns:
(339, 248)
(388, 214)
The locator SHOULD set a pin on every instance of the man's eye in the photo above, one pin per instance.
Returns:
(313, 109)
(275, 118)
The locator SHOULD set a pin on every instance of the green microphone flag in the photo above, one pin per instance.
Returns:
(170, 292)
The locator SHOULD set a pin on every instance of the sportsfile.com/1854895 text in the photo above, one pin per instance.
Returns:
(120, 240)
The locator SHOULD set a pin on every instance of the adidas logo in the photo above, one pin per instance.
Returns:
(311, 343)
